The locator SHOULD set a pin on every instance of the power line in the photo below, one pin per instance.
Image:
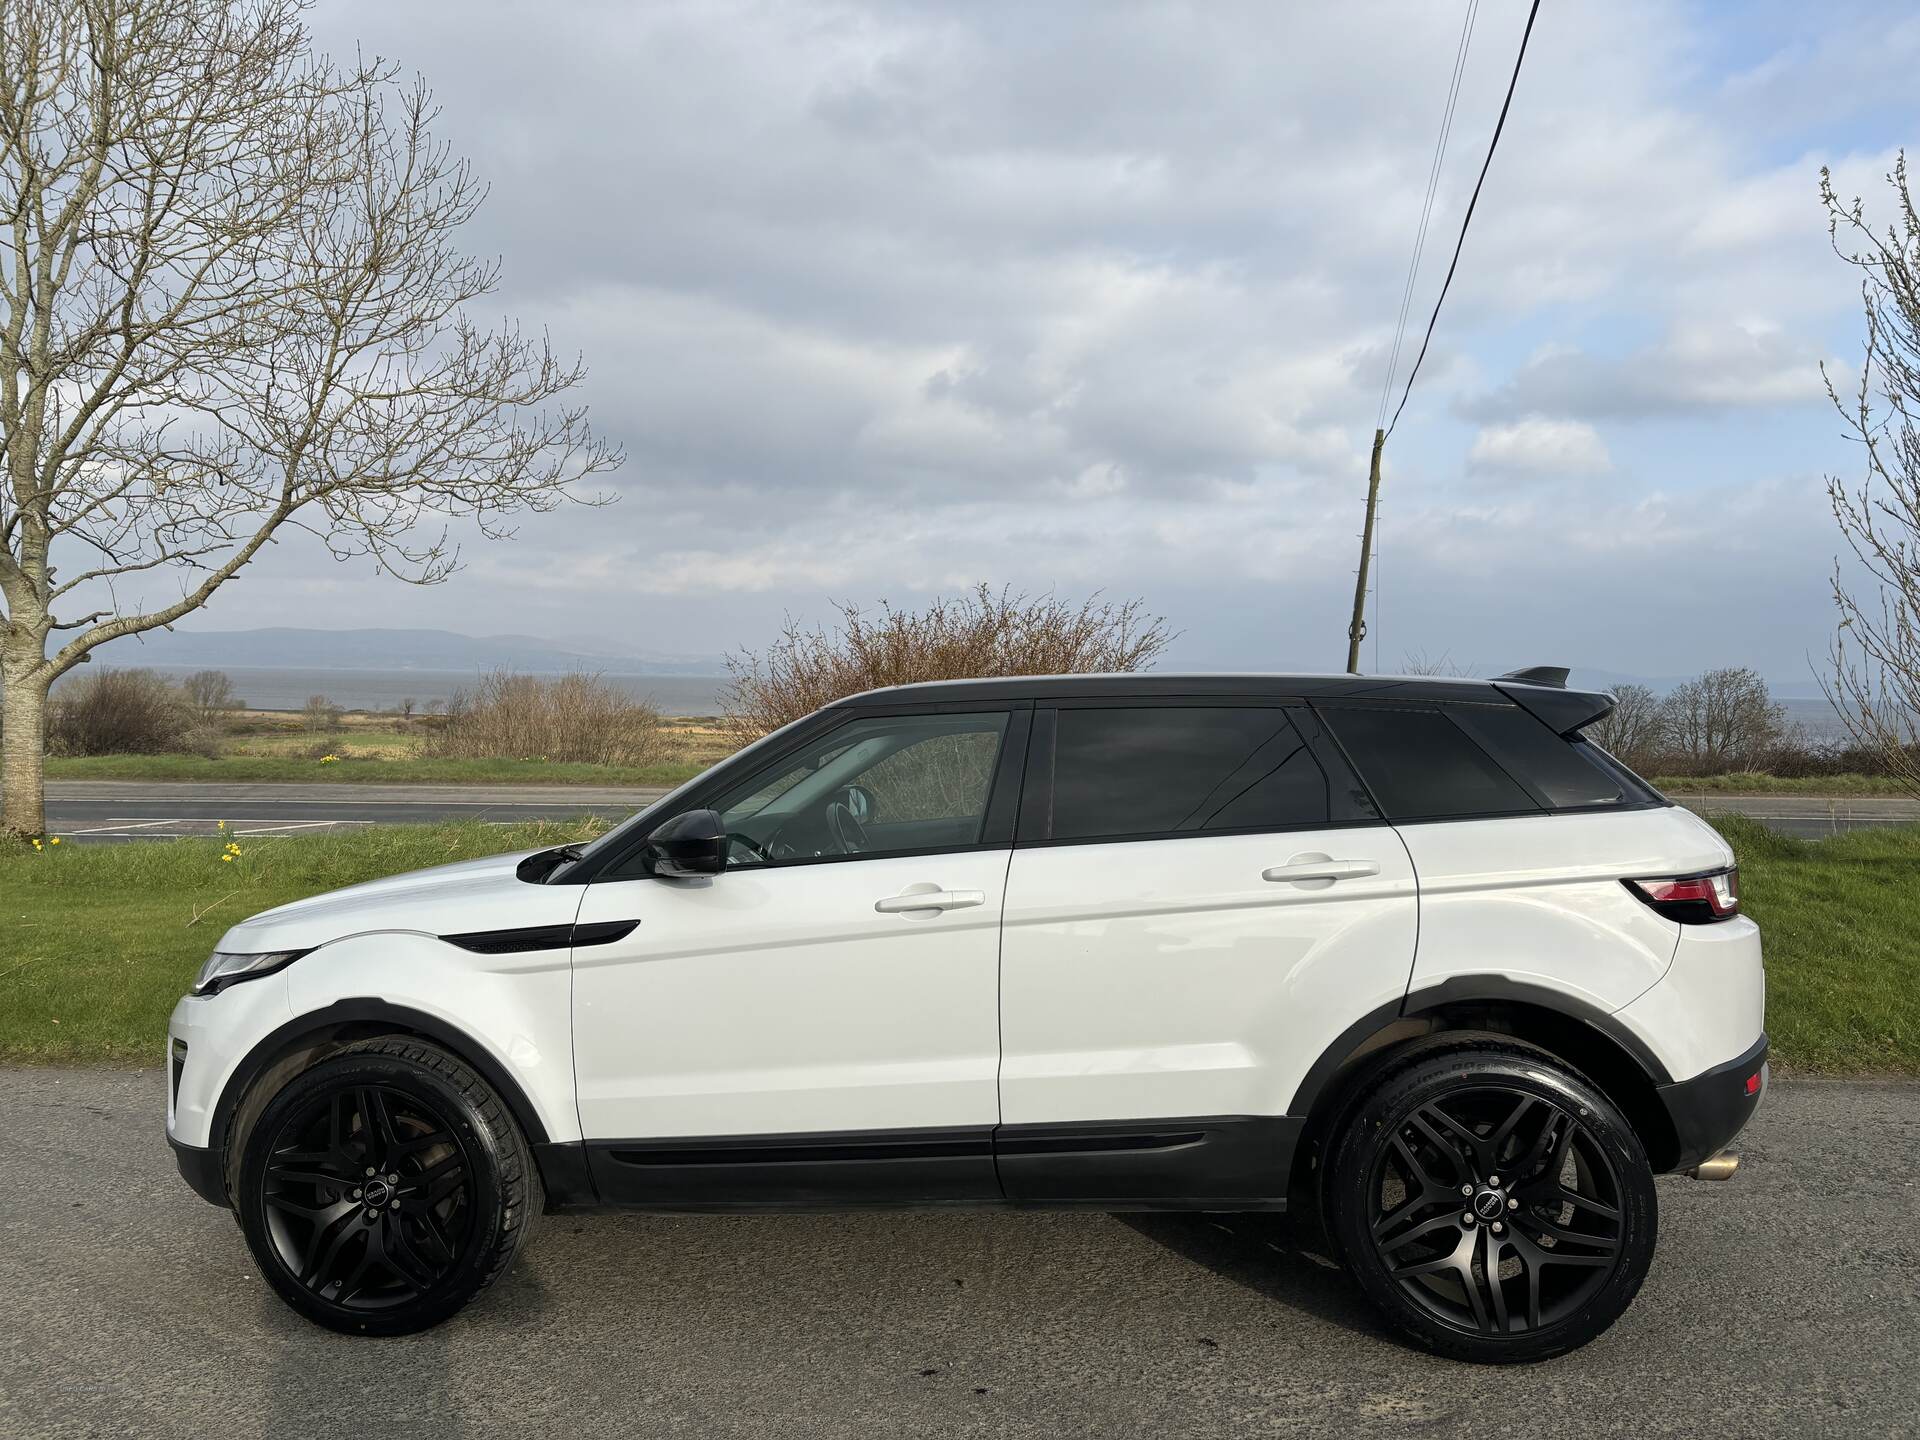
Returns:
(1426, 205)
(1467, 219)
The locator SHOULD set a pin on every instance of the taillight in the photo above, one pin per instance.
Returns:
(1692, 899)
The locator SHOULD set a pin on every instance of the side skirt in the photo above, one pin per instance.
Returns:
(1235, 1162)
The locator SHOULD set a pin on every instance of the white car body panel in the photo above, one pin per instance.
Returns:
(1167, 978)
(774, 1001)
(1538, 899)
(380, 941)
(1711, 1004)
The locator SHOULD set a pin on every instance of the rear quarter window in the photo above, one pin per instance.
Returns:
(1561, 775)
(1422, 766)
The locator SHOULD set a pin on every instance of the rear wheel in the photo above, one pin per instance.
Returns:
(1492, 1203)
(384, 1188)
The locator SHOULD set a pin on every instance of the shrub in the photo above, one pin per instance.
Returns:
(320, 713)
(210, 691)
(576, 717)
(978, 634)
(124, 712)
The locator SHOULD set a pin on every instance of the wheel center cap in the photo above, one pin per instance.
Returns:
(376, 1193)
(1490, 1204)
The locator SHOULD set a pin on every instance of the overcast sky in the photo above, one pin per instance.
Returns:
(887, 299)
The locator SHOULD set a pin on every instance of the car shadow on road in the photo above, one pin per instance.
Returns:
(1272, 1255)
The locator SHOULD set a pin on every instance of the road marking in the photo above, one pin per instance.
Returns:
(298, 825)
(126, 825)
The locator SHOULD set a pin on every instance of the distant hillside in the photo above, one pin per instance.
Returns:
(287, 648)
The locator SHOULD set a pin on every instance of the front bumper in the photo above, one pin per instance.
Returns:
(1713, 1107)
(200, 1168)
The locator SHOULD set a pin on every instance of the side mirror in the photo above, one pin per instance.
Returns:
(691, 843)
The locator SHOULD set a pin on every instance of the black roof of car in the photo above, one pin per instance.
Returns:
(1541, 690)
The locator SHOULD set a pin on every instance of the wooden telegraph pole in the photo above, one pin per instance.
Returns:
(1357, 631)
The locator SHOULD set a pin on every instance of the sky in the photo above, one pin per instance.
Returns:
(886, 300)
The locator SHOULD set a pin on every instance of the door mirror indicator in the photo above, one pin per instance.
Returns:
(691, 843)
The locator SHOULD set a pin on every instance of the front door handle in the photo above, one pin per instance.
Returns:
(917, 900)
(1321, 869)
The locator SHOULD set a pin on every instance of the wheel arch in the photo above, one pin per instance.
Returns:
(1587, 1038)
(308, 1038)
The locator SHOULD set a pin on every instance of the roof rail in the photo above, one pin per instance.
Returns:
(1553, 675)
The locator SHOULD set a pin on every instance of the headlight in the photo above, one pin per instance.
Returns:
(223, 969)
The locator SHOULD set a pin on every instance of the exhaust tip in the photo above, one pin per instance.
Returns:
(1719, 1167)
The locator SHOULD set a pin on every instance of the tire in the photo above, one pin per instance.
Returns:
(1491, 1148)
(385, 1187)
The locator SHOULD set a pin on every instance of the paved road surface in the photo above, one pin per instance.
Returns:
(1786, 1303)
(94, 811)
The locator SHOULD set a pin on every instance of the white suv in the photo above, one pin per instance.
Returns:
(1407, 952)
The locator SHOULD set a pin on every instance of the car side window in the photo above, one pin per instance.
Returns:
(1420, 765)
(1126, 772)
(871, 787)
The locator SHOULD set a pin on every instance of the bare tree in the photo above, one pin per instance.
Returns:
(1725, 720)
(1635, 730)
(979, 634)
(1419, 662)
(1874, 663)
(319, 713)
(407, 704)
(210, 691)
(231, 303)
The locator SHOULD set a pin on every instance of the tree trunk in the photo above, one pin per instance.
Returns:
(23, 752)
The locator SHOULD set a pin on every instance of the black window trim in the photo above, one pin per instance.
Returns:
(1033, 831)
(996, 826)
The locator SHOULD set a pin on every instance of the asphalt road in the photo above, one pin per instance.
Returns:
(1786, 1303)
(100, 811)
(97, 811)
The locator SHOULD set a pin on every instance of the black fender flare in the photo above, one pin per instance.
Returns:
(398, 1019)
(1465, 990)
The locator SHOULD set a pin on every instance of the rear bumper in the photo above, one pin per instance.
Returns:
(200, 1168)
(1713, 1107)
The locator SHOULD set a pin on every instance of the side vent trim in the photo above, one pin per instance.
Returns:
(542, 937)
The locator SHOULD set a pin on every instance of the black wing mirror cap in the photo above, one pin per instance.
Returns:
(693, 842)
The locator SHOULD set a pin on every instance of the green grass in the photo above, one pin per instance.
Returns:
(97, 942)
(1839, 919)
(1754, 782)
(250, 769)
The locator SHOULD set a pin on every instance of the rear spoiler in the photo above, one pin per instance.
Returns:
(1541, 690)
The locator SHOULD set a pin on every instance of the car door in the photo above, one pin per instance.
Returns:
(819, 1022)
(1195, 911)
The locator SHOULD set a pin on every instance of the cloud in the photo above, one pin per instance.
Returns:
(1697, 367)
(882, 298)
(1539, 447)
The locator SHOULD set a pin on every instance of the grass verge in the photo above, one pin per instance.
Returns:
(252, 769)
(1838, 918)
(97, 942)
(1754, 782)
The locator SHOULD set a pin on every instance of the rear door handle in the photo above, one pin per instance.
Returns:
(1297, 870)
(930, 900)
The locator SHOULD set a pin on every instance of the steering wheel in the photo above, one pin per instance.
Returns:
(848, 833)
(753, 845)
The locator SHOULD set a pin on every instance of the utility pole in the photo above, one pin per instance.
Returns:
(1357, 631)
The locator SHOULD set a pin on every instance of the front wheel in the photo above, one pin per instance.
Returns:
(384, 1188)
(1492, 1203)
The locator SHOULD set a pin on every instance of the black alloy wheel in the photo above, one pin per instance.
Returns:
(368, 1197)
(383, 1188)
(1496, 1207)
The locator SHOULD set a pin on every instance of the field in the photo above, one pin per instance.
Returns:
(256, 746)
(96, 943)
